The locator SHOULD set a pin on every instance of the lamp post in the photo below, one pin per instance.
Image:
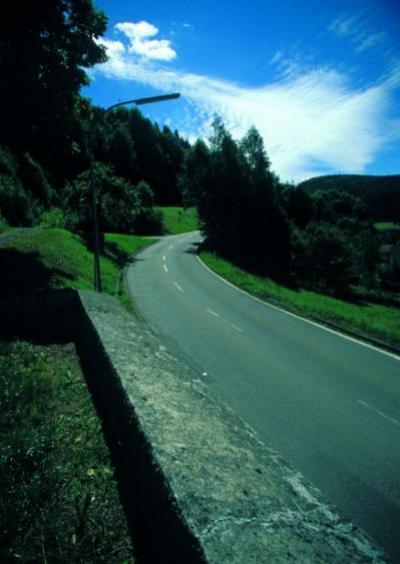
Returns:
(137, 102)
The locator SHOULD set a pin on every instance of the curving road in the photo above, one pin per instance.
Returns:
(329, 404)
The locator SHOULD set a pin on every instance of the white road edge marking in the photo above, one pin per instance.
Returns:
(236, 327)
(179, 287)
(212, 312)
(378, 412)
(347, 337)
(165, 267)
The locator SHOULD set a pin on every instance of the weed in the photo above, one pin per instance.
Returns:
(59, 499)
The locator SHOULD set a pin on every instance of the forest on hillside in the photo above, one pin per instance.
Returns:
(321, 238)
(381, 194)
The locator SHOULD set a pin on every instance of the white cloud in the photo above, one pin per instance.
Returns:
(358, 31)
(311, 123)
(140, 44)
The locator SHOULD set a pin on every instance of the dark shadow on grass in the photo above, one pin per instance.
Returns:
(22, 272)
(113, 252)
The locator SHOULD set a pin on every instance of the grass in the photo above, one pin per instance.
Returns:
(375, 320)
(59, 499)
(387, 225)
(56, 258)
(179, 220)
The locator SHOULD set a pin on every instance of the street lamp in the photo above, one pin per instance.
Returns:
(138, 102)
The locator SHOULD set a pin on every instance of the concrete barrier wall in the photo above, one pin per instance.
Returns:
(196, 483)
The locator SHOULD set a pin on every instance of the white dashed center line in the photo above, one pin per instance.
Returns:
(378, 412)
(164, 258)
(211, 312)
(179, 287)
(165, 267)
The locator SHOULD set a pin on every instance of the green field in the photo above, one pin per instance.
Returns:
(375, 320)
(56, 258)
(387, 225)
(179, 220)
(59, 498)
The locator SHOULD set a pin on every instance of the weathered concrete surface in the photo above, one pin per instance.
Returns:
(203, 487)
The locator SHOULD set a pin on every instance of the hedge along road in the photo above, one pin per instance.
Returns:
(328, 404)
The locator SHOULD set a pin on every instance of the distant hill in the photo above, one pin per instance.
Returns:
(380, 193)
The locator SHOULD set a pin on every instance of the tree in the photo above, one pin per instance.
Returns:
(221, 205)
(238, 201)
(299, 206)
(44, 48)
(122, 207)
(35, 180)
(266, 231)
(116, 201)
(322, 259)
(147, 220)
(196, 174)
(122, 153)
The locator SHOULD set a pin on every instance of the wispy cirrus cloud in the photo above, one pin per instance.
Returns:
(358, 31)
(312, 122)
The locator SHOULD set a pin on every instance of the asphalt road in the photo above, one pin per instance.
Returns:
(327, 403)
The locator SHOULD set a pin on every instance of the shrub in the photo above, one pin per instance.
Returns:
(54, 217)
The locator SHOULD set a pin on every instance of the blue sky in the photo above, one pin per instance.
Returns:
(320, 80)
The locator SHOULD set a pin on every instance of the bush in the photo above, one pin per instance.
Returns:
(54, 217)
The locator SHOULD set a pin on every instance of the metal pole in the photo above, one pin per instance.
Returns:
(138, 102)
(97, 277)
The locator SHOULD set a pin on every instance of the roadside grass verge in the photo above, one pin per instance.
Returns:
(178, 220)
(59, 500)
(374, 320)
(56, 258)
(118, 248)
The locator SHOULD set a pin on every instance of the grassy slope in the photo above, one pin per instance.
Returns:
(59, 499)
(375, 320)
(179, 220)
(56, 258)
